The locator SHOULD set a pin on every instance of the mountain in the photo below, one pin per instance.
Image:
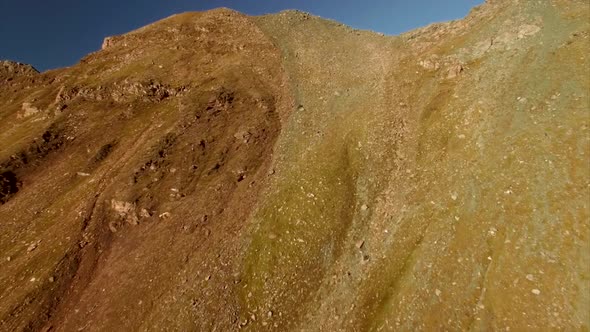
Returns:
(215, 172)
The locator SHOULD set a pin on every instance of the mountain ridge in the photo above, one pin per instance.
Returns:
(284, 172)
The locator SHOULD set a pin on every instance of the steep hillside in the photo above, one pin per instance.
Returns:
(216, 172)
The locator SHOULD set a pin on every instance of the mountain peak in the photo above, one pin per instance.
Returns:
(216, 171)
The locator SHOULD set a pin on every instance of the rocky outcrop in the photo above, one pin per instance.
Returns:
(12, 68)
(110, 42)
(124, 91)
(27, 110)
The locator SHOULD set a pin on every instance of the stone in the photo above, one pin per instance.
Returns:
(126, 211)
(109, 42)
(122, 207)
(27, 110)
(165, 215)
(243, 135)
(144, 213)
(360, 244)
(364, 207)
(33, 246)
(492, 231)
(536, 291)
(455, 71)
(528, 30)
(429, 64)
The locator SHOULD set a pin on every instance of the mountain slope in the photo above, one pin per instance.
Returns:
(214, 171)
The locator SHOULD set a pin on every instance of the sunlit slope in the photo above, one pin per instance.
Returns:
(219, 172)
(438, 180)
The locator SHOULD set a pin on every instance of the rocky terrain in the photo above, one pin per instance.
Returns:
(219, 172)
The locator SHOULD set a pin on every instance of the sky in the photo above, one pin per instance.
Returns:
(57, 33)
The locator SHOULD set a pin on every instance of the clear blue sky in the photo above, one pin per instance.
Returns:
(57, 33)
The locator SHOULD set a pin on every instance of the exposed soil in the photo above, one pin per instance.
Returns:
(219, 172)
